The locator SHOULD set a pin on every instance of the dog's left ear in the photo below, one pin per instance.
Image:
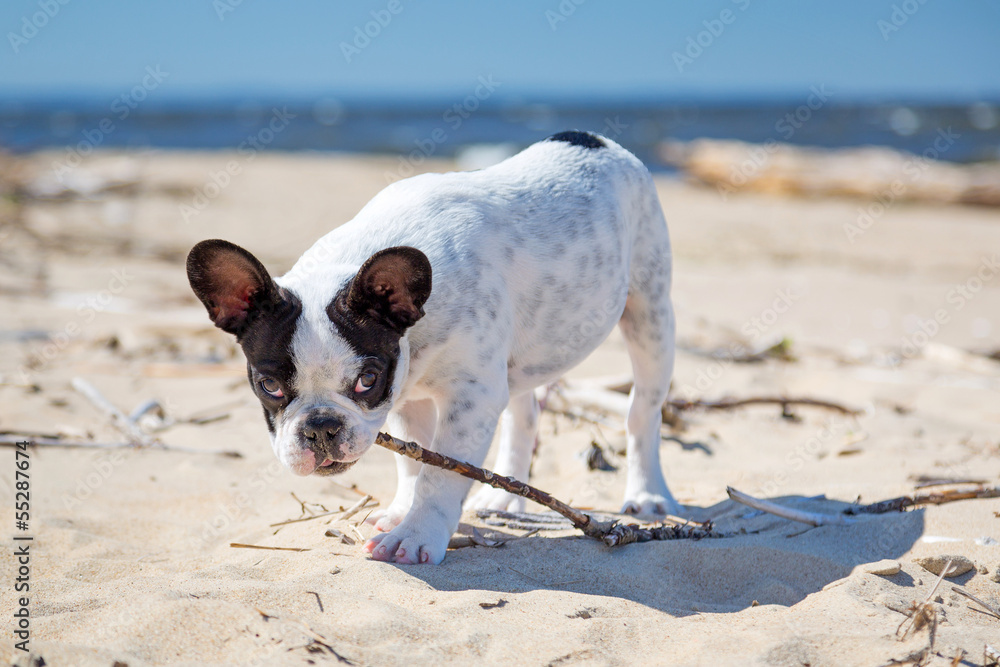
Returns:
(392, 286)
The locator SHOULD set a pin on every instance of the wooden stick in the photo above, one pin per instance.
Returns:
(240, 545)
(305, 518)
(613, 402)
(924, 613)
(903, 502)
(988, 607)
(152, 405)
(811, 518)
(611, 533)
(34, 441)
(118, 419)
(347, 514)
(30, 435)
(923, 482)
(357, 507)
(783, 401)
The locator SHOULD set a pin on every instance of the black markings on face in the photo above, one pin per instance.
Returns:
(376, 343)
(267, 345)
(372, 312)
(383, 367)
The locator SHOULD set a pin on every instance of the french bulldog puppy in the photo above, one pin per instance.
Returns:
(440, 308)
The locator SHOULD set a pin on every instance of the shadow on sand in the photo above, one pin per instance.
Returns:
(768, 560)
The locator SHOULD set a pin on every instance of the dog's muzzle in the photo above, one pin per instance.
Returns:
(322, 434)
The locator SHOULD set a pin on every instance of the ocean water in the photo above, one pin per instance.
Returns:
(414, 132)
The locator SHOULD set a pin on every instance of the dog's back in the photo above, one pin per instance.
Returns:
(533, 258)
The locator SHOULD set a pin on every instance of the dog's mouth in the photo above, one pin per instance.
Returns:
(331, 467)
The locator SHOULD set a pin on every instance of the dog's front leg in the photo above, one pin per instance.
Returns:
(416, 421)
(467, 419)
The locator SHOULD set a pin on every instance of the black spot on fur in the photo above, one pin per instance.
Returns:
(576, 138)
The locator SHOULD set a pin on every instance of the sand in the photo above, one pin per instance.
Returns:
(132, 563)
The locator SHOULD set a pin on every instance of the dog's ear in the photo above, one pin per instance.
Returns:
(232, 283)
(392, 286)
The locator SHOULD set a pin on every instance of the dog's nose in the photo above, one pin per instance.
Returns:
(320, 432)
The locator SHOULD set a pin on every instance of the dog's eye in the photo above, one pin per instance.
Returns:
(272, 388)
(365, 382)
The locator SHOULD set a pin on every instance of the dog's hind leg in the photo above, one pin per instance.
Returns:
(648, 328)
(413, 421)
(518, 431)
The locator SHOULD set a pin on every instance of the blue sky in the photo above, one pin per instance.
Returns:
(930, 50)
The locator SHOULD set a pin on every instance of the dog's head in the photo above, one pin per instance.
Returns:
(327, 374)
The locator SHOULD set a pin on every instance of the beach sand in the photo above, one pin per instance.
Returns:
(131, 561)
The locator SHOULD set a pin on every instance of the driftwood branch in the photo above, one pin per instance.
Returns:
(784, 401)
(811, 518)
(882, 507)
(904, 502)
(7, 440)
(568, 398)
(129, 426)
(612, 533)
(118, 418)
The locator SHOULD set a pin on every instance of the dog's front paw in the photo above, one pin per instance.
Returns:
(650, 504)
(411, 542)
(489, 498)
(387, 519)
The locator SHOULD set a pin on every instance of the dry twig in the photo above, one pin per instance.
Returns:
(357, 507)
(924, 481)
(340, 535)
(811, 518)
(316, 638)
(988, 607)
(612, 533)
(784, 401)
(922, 615)
(35, 441)
(614, 402)
(524, 520)
(347, 514)
(304, 518)
(127, 425)
(240, 545)
(118, 418)
(903, 502)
